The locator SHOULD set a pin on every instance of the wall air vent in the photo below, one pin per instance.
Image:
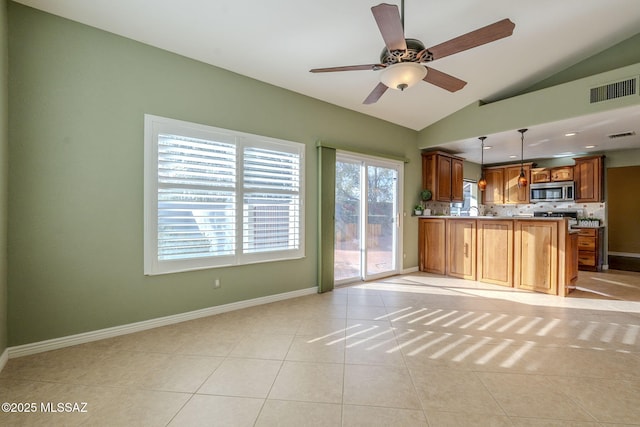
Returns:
(614, 90)
(621, 135)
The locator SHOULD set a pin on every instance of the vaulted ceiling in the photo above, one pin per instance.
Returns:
(279, 41)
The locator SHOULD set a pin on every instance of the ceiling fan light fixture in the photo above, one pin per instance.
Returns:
(403, 75)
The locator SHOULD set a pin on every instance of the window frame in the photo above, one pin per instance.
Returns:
(154, 126)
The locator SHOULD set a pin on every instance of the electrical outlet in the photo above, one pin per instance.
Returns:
(216, 283)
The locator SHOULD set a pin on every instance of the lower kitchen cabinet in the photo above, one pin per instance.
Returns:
(590, 248)
(495, 251)
(432, 245)
(461, 252)
(536, 256)
(571, 262)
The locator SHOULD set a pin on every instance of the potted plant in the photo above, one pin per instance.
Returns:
(417, 209)
(425, 195)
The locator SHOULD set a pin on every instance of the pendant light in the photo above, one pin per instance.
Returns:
(482, 182)
(522, 179)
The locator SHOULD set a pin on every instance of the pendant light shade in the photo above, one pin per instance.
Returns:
(403, 75)
(522, 179)
(482, 182)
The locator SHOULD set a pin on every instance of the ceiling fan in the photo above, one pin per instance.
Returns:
(401, 59)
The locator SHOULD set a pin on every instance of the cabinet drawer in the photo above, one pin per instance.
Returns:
(586, 243)
(589, 232)
(587, 258)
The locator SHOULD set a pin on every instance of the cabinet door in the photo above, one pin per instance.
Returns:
(431, 245)
(457, 177)
(513, 193)
(588, 176)
(563, 173)
(494, 193)
(461, 252)
(571, 261)
(429, 173)
(540, 175)
(536, 256)
(495, 252)
(443, 185)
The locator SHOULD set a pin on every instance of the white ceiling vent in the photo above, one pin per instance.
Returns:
(614, 90)
(621, 134)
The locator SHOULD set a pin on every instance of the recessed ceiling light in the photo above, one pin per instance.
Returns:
(590, 146)
(513, 156)
(571, 134)
(487, 147)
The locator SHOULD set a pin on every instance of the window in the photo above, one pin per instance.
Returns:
(215, 197)
(469, 207)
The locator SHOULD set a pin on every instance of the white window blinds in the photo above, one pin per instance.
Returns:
(215, 197)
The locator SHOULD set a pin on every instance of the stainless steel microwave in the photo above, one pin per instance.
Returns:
(552, 192)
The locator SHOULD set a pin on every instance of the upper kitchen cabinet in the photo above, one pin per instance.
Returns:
(588, 174)
(442, 173)
(560, 173)
(512, 192)
(502, 185)
(540, 175)
(494, 192)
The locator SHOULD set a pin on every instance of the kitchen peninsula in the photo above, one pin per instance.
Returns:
(534, 254)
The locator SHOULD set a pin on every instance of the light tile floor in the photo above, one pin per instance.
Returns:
(409, 350)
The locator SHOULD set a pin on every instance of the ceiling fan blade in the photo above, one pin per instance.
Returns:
(443, 80)
(375, 94)
(488, 34)
(390, 25)
(371, 67)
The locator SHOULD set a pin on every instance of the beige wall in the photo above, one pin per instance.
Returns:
(623, 209)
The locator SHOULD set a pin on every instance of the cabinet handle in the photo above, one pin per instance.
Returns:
(466, 249)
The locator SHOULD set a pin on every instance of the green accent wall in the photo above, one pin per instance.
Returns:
(620, 55)
(77, 97)
(4, 172)
(543, 106)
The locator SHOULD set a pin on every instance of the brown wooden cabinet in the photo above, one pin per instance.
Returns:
(495, 251)
(502, 185)
(588, 175)
(571, 262)
(540, 175)
(560, 173)
(513, 193)
(494, 192)
(443, 174)
(536, 255)
(461, 251)
(590, 248)
(432, 245)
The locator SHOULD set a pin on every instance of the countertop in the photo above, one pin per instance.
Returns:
(493, 217)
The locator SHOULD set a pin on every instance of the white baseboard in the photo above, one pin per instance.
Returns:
(4, 358)
(56, 343)
(624, 254)
(410, 270)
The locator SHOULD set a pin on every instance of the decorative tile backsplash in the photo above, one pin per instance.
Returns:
(585, 210)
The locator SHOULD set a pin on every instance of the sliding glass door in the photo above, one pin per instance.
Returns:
(366, 219)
